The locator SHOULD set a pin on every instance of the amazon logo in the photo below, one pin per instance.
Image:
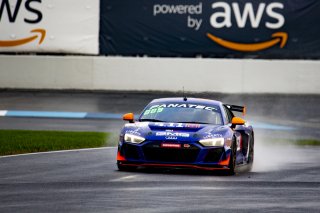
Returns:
(25, 11)
(248, 16)
(280, 37)
(39, 33)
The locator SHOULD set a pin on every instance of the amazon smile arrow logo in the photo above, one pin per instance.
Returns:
(41, 33)
(279, 37)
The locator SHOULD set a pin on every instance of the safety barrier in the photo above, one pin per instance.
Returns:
(165, 74)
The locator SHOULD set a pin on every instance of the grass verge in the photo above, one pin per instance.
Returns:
(298, 142)
(26, 141)
(308, 142)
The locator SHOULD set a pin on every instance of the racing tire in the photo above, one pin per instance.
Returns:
(233, 157)
(251, 154)
(125, 168)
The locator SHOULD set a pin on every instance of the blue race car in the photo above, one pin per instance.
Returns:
(186, 133)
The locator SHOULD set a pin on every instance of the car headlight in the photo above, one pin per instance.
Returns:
(133, 138)
(212, 142)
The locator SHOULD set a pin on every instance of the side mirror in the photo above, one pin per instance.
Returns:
(237, 121)
(128, 117)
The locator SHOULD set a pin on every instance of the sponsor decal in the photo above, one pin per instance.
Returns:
(171, 138)
(177, 125)
(170, 145)
(195, 106)
(173, 134)
(152, 111)
(170, 125)
(226, 15)
(193, 126)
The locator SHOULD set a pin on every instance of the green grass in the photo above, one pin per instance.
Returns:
(25, 141)
(307, 142)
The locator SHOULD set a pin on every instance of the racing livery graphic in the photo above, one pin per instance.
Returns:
(186, 133)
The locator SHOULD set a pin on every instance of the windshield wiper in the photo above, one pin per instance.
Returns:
(150, 119)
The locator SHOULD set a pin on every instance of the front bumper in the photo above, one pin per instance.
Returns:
(189, 155)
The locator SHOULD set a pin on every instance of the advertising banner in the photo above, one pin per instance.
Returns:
(211, 28)
(50, 26)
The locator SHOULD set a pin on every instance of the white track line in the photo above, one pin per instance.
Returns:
(3, 112)
(52, 152)
(124, 178)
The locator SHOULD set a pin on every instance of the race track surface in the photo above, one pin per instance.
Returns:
(88, 181)
(285, 178)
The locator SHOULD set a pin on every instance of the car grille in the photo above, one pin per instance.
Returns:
(131, 151)
(213, 155)
(154, 152)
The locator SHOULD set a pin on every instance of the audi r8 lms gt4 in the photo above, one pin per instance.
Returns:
(186, 133)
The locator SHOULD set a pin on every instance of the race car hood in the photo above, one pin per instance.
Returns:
(158, 131)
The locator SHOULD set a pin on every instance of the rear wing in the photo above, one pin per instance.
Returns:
(236, 108)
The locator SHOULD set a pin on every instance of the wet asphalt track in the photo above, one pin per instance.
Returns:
(285, 178)
(88, 181)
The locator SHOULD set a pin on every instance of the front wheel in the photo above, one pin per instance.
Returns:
(233, 157)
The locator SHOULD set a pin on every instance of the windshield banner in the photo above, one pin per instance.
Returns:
(211, 28)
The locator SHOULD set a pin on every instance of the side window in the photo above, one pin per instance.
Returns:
(228, 114)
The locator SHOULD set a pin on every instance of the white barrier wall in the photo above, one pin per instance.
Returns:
(168, 74)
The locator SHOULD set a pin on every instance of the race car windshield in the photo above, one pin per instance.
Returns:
(182, 113)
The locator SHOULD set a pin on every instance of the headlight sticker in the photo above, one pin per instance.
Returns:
(133, 132)
(210, 135)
